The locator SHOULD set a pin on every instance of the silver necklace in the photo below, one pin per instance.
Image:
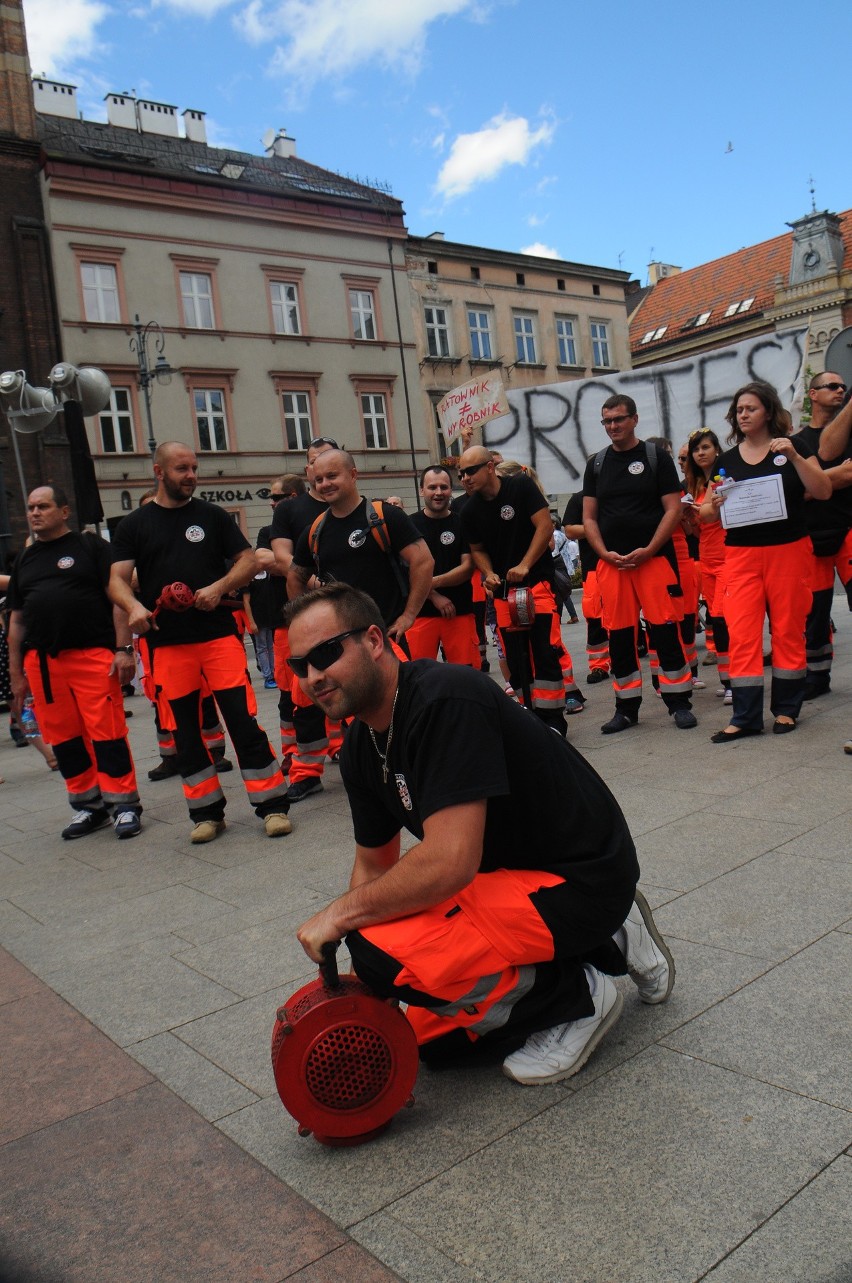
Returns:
(383, 757)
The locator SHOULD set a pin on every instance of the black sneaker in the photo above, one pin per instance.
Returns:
(304, 788)
(684, 719)
(813, 690)
(597, 675)
(618, 722)
(167, 768)
(127, 824)
(83, 823)
(223, 765)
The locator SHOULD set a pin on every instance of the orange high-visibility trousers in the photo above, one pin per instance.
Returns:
(456, 637)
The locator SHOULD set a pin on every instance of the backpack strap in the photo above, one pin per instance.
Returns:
(379, 526)
(313, 537)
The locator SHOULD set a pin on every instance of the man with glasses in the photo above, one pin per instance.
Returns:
(829, 523)
(502, 927)
(308, 740)
(507, 522)
(631, 507)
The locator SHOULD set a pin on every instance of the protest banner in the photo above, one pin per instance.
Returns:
(472, 405)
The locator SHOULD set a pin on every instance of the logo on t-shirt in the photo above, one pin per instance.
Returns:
(447, 537)
(780, 460)
(65, 563)
(402, 789)
(194, 534)
(636, 468)
(357, 539)
(507, 512)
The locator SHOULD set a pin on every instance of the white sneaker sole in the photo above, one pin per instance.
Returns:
(607, 1022)
(653, 932)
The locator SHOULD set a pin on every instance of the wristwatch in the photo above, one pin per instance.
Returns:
(124, 650)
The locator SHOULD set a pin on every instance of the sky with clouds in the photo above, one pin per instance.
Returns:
(608, 134)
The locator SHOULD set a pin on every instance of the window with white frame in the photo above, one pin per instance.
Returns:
(437, 331)
(210, 419)
(100, 292)
(524, 323)
(297, 419)
(115, 423)
(566, 341)
(600, 343)
(363, 310)
(196, 292)
(375, 416)
(479, 328)
(284, 296)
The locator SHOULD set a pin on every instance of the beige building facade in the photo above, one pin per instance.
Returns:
(531, 320)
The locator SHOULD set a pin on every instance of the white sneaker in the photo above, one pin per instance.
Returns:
(649, 961)
(729, 696)
(557, 1053)
(698, 685)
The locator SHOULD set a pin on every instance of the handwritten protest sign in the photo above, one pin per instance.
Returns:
(555, 427)
(472, 405)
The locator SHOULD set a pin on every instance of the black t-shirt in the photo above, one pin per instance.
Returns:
(457, 739)
(447, 544)
(828, 519)
(291, 516)
(504, 526)
(573, 516)
(767, 533)
(60, 585)
(628, 492)
(193, 544)
(267, 593)
(349, 552)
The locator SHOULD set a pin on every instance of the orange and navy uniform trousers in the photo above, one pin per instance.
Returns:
(456, 637)
(212, 731)
(597, 640)
(654, 589)
(711, 551)
(775, 580)
(80, 712)
(179, 673)
(487, 967)
(539, 652)
(308, 737)
(818, 643)
(479, 602)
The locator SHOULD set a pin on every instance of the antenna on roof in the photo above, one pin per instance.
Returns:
(813, 201)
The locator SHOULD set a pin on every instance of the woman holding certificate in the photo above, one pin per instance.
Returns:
(761, 505)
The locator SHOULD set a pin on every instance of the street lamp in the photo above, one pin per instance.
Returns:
(144, 336)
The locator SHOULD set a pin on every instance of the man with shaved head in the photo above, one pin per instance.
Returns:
(181, 538)
(362, 544)
(507, 523)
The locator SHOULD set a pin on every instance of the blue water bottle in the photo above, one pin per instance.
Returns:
(29, 725)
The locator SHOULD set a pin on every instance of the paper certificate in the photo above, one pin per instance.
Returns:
(748, 503)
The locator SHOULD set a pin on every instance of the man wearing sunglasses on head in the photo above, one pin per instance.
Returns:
(829, 522)
(507, 523)
(631, 507)
(346, 548)
(308, 740)
(501, 929)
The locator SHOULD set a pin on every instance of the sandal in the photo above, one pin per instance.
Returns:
(739, 733)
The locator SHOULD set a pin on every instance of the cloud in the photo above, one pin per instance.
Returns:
(199, 8)
(541, 251)
(477, 158)
(327, 38)
(536, 220)
(59, 33)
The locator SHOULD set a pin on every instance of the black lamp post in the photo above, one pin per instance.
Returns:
(144, 336)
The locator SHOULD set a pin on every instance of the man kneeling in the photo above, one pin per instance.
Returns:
(502, 927)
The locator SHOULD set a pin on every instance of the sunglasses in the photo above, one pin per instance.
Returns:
(616, 418)
(472, 469)
(829, 387)
(324, 655)
(323, 441)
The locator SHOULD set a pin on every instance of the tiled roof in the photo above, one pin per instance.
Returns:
(750, 273)
(127, 148)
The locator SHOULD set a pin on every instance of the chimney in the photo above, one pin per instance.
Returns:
(194, 127)
(54, 99)
(121, 110)
(158, 118)
(659, 271)
(279, 143)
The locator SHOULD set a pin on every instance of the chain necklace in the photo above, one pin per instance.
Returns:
(383, 757)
